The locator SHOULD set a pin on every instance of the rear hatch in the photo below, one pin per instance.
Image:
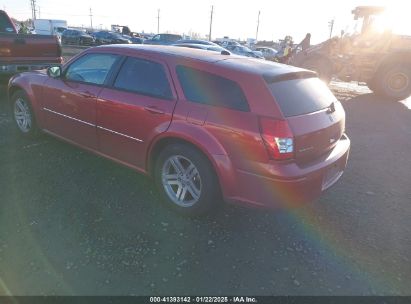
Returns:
(315, 116)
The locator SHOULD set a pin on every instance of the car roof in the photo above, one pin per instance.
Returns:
(194, 45)
(164, 50)
(265, 48)
(197, 41)
(234, 62)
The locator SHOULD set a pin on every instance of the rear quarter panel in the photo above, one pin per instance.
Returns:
(230, 138)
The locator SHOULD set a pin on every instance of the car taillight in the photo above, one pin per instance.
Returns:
(278, 138)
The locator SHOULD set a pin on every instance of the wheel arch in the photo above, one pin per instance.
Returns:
(27, 91)
(210, 149)
(12, 90)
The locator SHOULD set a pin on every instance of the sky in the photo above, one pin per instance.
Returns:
(236, 19)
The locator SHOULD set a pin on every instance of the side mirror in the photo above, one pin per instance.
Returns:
(54, 71)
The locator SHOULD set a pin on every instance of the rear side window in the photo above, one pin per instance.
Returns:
(211, 89)
(144, 77)
(301, 96)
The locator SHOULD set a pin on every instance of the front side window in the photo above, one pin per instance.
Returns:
(91, 68)
(207, 88)
(144, 77)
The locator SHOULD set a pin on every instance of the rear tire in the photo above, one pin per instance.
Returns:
(393, 82)
(23, 115)
(186, 180)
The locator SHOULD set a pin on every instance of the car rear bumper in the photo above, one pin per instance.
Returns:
(287, 185)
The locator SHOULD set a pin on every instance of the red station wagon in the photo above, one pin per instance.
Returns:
(203, 125)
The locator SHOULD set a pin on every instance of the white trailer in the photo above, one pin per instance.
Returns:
(50, 27)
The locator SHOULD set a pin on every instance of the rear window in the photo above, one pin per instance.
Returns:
(5, 25)
(301, 96)
(211, 89)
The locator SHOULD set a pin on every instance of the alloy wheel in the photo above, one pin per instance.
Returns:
(22, 115)
(181, 181)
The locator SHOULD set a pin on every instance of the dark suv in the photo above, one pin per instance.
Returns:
(108, 37)
(204, 125)
(72, 36)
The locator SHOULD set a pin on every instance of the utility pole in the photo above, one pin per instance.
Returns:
(91, 19)
(33, 9)
(258, 24)
(39, 11)
(331, 25)
(158, 21)
(211, 22)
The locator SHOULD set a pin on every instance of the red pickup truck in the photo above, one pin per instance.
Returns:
(20, 52)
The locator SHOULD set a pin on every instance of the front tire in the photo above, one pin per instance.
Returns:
(186, 180)
(393, 82)
(23, 115)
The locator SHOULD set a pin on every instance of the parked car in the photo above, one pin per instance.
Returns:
(202, 124)
(134, 40)
(108, 37)
(163, 39)
(77, 37)
(243, 51)
(227, 43)
(25, 52)
(195, 41)
(268, 53)
(207, 47)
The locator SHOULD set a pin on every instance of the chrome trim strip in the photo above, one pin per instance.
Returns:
(69, 117)
(121, 134)
(92, 125)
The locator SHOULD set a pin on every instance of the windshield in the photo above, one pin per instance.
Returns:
(245, 49)
(60, 29)
(116, 35)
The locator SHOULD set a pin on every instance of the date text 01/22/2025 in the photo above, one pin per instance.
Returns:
(203, 300)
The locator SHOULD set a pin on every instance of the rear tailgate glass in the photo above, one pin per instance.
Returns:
(301, 96)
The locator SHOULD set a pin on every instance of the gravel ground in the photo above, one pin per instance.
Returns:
(72, 223)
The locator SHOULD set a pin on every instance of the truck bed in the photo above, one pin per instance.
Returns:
(21, 53)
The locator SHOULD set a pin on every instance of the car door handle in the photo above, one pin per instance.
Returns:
(154, 110)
